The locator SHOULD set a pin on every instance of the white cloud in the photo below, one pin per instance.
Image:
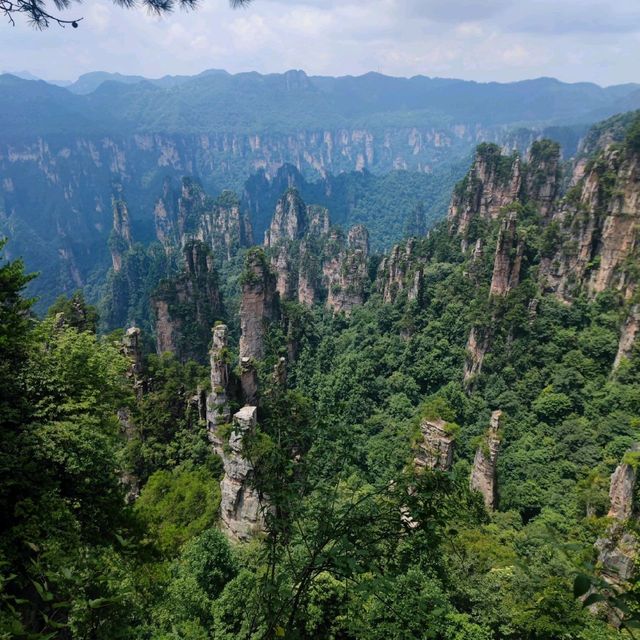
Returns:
(478, 39)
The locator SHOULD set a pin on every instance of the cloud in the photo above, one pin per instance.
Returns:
(476, 39)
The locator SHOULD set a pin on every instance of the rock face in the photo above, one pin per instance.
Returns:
(597, 228)
(483, 473)
(492, 183)
(623, 481)
(628, 335)
(188, 214)
(241, 506)
(435, 451)
(542, 179)
(185, 305)
(217, 410)
(120, 240)
(132, 349)
(400, 273)
(508, 257)
(477, 347)
(296, 241)
(618, 548)
(259, 304)
(346, 273)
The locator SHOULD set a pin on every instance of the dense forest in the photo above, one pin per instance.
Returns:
(310, 439)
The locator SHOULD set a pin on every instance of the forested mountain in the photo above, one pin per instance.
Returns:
(326, 441)
(65, 153)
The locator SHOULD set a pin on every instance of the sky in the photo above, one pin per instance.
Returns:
(483, 40)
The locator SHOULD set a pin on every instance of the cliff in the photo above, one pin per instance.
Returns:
(596, 227)
(618, 548)
(435, 448)
(120, 239)
(346, 272)
(241, 506)
(492, 183)
(483, 474)
(258, 306)
(400, 273)
(185, 305)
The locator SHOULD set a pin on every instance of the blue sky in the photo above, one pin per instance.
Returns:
(481, 40)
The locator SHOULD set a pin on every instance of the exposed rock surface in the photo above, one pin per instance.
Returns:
(400, 272)
(618, 548)
(259, 304)
(597, 223)
(542, 178)
(186, 305)
(217, 406)
(346, 273)
(483, 473)
(508, 257)
(435, 451)
(477, 347)
(120, 240)
(241, 506)
(492, 183)
(628, 335)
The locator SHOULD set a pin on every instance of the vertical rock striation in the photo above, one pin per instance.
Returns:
(184, 306)
(483, 474)
(435, 450)
(218, 411)
(120, 240)
(241, 505)
(628, 335)
(508, 257)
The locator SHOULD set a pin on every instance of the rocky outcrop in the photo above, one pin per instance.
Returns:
(400, 272)
(241, 505)
(618, 548)
(542, 176)
(628, 335)
(476, 349)
(132, 349)
(435, 449)
(621, 489)
(483, 473)
(493, 182)
(295, 241)
(596, 238)
(508, 257)
(259, 304)
(187, 304)
(120, 240)
(346, 273)
(289, 221)
(217, 405)
(224, 227)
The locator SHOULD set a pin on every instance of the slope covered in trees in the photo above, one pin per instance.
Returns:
(431, 460)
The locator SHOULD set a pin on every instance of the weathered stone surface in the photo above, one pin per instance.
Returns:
(435, 451)
(121, 239)
(628, 335)
(346, 272)
(217, 404)
(164, 327)
(542, 180)
(623, 481)
(598, 228)
(190, 300)
(258, 306)
(400, 271)
(617, 553)
(508, 257)
(241, 506)
(483, 473)
(132, 349)
(249, 381)
(477, 347)
(289, 221)
(493, 182)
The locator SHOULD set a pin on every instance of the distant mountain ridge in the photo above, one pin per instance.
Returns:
(251, 102)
